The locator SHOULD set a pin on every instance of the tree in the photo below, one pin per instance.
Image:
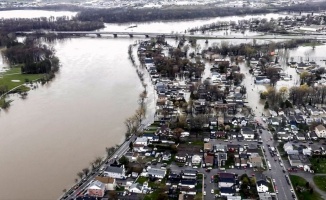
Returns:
(86, 171)
(307, 184)
(177, 133)
(124, 160)
(109, 151)
(80, 175)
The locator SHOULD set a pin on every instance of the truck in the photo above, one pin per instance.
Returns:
(269, 165)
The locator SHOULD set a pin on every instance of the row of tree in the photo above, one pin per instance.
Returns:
(118, 15)
(43, 23)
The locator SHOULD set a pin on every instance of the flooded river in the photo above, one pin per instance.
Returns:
(62, 126)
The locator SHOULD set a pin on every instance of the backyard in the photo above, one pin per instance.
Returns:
(303, 192)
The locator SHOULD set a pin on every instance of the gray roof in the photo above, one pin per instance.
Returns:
(156, 171)
(113, 169)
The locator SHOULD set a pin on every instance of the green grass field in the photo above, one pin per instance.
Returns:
(305, 195)
(320, 182)
(319, 165)
(13, 78)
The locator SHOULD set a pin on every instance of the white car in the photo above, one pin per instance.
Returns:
(281, 164)
(212, 191)
(274, 181)
(204, 193)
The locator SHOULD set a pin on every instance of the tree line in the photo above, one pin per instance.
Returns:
(51, 23)
(122, 15)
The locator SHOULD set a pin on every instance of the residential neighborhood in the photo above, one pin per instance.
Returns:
(205, 142)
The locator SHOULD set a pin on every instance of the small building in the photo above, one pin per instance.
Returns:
(196, 160)
(117, 172)
(157, 173)
(262, 186)
(320, 131)
(207, 147)
(96, 189)
(247, 133)
(209, 160)
(256, 161)
(136, 188)
(294, 160)
(109, 182)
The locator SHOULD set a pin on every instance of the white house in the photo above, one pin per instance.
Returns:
(262, 186)
(288, 147)
(320, 131)
(196, 159)
(96, 189)
(136, 188)
(115, 172)
(157, 173)
(247, 133)
(141, 141)
(109, 182)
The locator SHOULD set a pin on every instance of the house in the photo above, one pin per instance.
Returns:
(109, 182)
(294, 160)
(300, 136)
(265, 196)
(190, 172)
(226, 191)
(287, 147)
(320, 131)
(220, 148)
(274, 121)
(262, 186)
(226, 179)
(166, 156)
(299, 119)
(188, 183)
(157, 173)
(247, 133)
(256, 161)
(132, 156)
(209, 160)
(181, 156)
(196, 160)
(96, 189)
(141, 140)
(207, 147)
(232, 147)
(135, 188)
(117, 172)
(313, 135)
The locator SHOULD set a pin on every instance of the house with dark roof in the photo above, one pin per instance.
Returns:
(262, 186)
(226, 179)
(113, 171)
(227, 191)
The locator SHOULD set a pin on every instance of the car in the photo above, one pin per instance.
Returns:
(212, 191)
(260, 131)
(205, 185)
(283, 171)
(281, 164)
(204, 193)
(274, 181)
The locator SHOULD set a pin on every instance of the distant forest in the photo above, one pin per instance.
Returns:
(54, 24)
(122, 15)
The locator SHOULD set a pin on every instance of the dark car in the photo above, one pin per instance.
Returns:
(260, 131)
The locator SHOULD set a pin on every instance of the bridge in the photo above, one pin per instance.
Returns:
(173, 35)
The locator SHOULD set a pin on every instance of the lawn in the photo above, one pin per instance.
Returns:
(304, 195)
(13, 78)
(319, 164)
(320, 181)
(142, 179)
